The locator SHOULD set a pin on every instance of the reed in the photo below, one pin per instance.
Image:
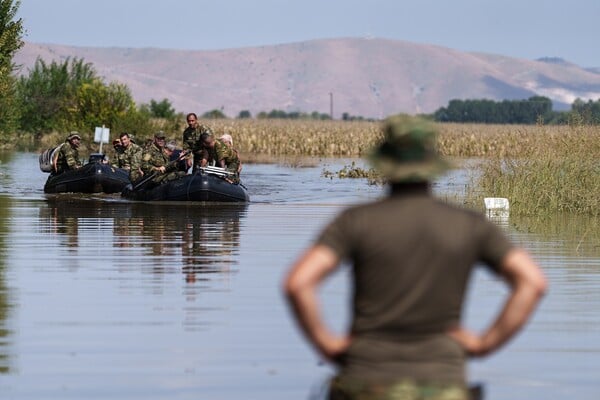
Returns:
(299, 137)
(541, 169)
(552, 171)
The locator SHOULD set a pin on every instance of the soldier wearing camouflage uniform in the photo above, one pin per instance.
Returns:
(131, 158)
(191, 140)
(118, 147)
(156, 162)
(223, 155)
(68, 155)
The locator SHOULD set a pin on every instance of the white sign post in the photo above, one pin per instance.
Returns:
(101, 135)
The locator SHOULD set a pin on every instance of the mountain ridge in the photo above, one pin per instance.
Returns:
(369, 77)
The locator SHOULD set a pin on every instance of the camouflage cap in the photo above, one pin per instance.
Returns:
(160, 135)
(73, 135)
(408, 152)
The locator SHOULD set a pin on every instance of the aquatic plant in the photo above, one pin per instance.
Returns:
(354, 171)
(555, 170)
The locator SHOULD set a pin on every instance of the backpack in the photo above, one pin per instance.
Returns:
(48, 159)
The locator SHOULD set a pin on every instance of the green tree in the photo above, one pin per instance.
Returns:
(162, 109)
(11, 32)
(214, 114)
(48, 95)
(244, 114)
(99, 104)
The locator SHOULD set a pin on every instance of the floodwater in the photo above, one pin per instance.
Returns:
(105, 299)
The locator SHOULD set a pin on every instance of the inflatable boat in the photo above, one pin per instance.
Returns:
(209, 184)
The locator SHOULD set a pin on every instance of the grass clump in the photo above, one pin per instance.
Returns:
(354, 171)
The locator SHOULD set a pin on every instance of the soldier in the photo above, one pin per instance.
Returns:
(119, 157)
(155, 162)
(68, 155)
(191, 140)
(411, 257)
(228, 140)
(132, 157)
(175, 156)
(223, 155)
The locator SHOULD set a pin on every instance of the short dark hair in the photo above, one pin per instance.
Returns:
(124, 134)
(205, 136)
(190, 115)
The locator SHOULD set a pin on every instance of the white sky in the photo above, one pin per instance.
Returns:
(518, 28)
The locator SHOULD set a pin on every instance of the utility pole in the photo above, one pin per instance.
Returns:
(331, 105)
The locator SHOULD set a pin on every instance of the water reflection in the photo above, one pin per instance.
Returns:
(578, 235)
(5, 332)
(191, 238)
(101, 297)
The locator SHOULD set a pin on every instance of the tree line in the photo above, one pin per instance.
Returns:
(534, 110)
(69, 95)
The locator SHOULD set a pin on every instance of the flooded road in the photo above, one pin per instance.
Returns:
(103, 298)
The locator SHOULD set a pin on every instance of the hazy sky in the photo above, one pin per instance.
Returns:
(519, 28)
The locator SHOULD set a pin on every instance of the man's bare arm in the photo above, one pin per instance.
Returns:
(528, 285)
(301, 290)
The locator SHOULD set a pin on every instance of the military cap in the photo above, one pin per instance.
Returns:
(73, 135)
(160, 135)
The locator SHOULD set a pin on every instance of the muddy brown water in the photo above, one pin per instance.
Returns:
(103, 298)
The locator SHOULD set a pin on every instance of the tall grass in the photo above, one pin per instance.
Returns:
(300, 137)
(541, 169)
(549, 170)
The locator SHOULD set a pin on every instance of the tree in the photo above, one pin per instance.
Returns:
(244, 114)
(530, 111)
(48, 95)
(99, 104)
(214, 114)
(11, 32)
(162, 109)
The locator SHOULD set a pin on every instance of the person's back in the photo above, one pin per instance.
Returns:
(411, 258)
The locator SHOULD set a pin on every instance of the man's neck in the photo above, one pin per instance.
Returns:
(399, 188)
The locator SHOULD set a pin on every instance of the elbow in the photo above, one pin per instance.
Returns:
(291, 287)
(540, 286)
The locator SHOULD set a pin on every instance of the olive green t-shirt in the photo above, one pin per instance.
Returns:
(412, 256)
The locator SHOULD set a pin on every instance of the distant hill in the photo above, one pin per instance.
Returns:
(368, 77)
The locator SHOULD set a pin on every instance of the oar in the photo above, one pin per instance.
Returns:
(144, 181)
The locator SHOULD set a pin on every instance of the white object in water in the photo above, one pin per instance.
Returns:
(496, 203)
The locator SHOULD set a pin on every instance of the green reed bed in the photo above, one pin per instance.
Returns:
(553, 170)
